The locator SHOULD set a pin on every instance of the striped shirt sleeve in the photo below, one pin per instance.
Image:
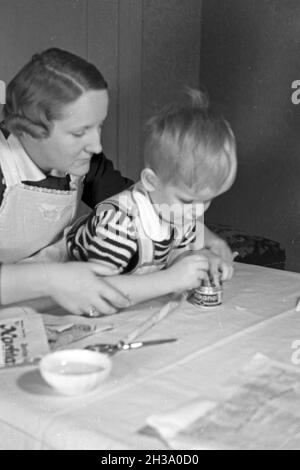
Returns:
(107, 235)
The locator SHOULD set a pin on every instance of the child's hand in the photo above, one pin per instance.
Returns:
(220, 248)
(187, 271)
(217, 245)
(219, 268)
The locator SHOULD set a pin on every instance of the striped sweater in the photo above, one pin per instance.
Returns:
(110, 235)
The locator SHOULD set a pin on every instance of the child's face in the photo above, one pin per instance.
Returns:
(180, 205)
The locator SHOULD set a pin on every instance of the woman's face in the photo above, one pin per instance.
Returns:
(75, 137)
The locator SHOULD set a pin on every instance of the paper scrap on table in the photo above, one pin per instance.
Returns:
(22, 336)
(261, 412)
(63, 335)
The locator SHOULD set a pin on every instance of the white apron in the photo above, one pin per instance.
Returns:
(32, 218)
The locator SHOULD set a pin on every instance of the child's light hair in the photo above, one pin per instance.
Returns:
(187, 144)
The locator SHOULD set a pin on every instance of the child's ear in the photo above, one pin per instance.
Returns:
(149, 179)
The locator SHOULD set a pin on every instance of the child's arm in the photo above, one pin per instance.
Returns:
(183, 274)
(107, 237)
(217, 250)
(217, 245)
(205, 238)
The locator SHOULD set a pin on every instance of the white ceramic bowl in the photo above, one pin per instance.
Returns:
(75, 371)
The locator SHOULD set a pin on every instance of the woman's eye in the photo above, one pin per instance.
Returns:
(77, 134)
(187, 203)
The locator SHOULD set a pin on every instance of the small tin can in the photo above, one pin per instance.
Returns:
(206, 295)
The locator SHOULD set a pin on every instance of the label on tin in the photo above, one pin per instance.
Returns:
(206, 299)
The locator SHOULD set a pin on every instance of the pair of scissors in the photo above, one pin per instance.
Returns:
(121, 346)
(126, 343)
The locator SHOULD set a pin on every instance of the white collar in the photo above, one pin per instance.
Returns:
(27, 169)
(154, 227)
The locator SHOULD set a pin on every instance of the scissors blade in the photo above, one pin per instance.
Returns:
(112, 349)
(140, 344)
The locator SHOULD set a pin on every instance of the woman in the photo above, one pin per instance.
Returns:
(50, 158)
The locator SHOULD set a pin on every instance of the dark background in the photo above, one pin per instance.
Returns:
(250, 56)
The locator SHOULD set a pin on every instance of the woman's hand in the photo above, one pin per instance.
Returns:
(187, 271)
(77, 287)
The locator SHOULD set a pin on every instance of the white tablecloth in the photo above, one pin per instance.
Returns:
(258, 315)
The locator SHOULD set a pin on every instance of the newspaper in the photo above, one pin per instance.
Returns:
(261, 412)
(23, 338)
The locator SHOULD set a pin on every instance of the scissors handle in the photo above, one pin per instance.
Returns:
(103, 348)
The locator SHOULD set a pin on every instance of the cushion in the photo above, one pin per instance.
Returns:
(252, 249)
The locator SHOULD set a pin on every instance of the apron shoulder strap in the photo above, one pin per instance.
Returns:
(9, 170)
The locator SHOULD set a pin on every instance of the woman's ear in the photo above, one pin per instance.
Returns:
(149, 179)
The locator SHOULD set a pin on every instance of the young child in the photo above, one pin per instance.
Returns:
(190, 159)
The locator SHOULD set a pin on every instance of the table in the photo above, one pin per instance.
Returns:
(258, 315)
